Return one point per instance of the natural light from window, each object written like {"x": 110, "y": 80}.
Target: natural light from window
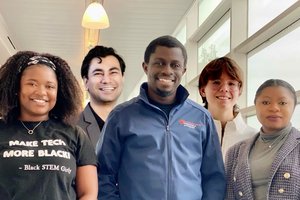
{"x": 278, "y": 60}
{"x": 206, "y": 7}
{"x": 217, "y": 45}
{"x": 262, "y": 12}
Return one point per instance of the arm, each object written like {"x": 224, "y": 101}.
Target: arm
{"x": 86, "y": 171}
{"x": 86, "y": 182}
{"x": 212, "y": 168}
{"x": 108, "y": 155}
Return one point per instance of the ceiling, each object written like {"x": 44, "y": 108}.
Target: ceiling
{"x": 54, "y": 26}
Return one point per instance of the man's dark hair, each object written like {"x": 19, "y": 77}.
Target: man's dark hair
{"x": 165, "y": 41}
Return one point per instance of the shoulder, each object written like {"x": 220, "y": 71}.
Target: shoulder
{"x": 62, "y": 127}
{"x": 233, "y": 152}
{"x": 242, "y": 126}
{"x": 126, "y": 106}
{"x": 72, "y": 133}
{"x": 197, "y": 107}
{"x": 81, "y": 118}
{"x": 294, "y": 134}
{"x": 2, "y": 123}
{"x": 242, "y": 144}
{"x": 4, "y": 126}
{"x": 236, "y": 146}
{"x": 86, "y": 116}
{"x": 295, "y": 131}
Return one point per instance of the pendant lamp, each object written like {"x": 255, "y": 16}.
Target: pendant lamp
{"x": 95, "y": 17}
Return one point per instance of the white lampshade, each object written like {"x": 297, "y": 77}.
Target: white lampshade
{"x": 95, "y": 17}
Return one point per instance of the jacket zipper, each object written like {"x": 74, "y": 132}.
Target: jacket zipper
{"x": 169, "y": 160}
{"x": 169, "y": 152}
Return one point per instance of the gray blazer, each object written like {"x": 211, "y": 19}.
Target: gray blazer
{"x": 284, "y": 180}
{"x": 89, "y": 124}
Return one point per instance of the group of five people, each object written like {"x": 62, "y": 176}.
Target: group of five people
{"x": 158, "y": 145}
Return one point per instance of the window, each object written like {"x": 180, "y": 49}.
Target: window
{"x": 279, "y": 60}
{"x": 206, "y": 7}
{"x": 181, "y": 35}
{"x": 262, "y": 12}
{"x": 216, "y": 43}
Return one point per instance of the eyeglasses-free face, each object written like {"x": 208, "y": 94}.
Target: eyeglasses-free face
{"x": 105, "y": 80}
{"x": 38, "y": 92}
{"x": 160, "y": 64}
{"x": 274, "y": 108}
{"x": 164, "y": 72}
{"x": 222, "y": 93}
{"x": 231, "y": 85}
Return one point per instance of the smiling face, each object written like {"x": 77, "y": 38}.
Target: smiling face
{"x": 38, "y": 92}
{"x": 222, "y": 93}
{"x": 164, "y": 72}
{"x": 274, "y": 108}
{"x": 105, "y": 80}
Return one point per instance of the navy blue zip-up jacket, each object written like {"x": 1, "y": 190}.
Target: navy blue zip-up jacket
{"x": 146, "y": 154}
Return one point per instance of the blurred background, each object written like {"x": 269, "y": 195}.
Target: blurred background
{"x": 261, "y": 35}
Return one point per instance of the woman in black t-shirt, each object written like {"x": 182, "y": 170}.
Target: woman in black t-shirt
{"x": 43, "y": 154}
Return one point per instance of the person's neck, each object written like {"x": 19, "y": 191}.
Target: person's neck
{"x": 162, "y": 100}
{"x": 223, "y": 115}
{"x": 103, "y": 109}
{"x": 31, "y": 118}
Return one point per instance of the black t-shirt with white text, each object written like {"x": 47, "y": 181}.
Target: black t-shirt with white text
{"x": 42, "y": 165}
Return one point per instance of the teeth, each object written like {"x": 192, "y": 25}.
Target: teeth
{"x": 107, "y": 89}
{"x": 223, "y": 98}
{"x": 165, "y": 80}
{"x": 39, "y": 100}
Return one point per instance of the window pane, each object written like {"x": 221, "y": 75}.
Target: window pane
{"x": 279, "y": 60}
{"x": 217, "y": 44}
{"x": 262, "y": 12}
{"x": 253, "y": 121}
{"x": 205, "y": 8}
{"x": 181, "y": 35}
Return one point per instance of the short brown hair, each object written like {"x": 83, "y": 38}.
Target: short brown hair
{"x": 214, "y": 69}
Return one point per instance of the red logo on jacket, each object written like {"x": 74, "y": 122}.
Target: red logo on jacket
{"x": 189, "y": 124}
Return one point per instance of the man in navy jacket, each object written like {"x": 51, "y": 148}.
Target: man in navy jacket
{"x": 161, "y": 145}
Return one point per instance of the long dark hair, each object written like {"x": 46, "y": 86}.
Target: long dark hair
{"x": 69, "y": 95}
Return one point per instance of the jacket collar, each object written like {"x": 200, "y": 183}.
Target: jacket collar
{"x": 181, "y": 93}
{"x": 290, "y": 144}
{"x": 88, "y": 114}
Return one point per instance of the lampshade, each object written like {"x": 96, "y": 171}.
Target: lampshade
{"x": 95, "y": 17}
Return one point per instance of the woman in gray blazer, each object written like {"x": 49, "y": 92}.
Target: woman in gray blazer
{"x": 267, "y": 166}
